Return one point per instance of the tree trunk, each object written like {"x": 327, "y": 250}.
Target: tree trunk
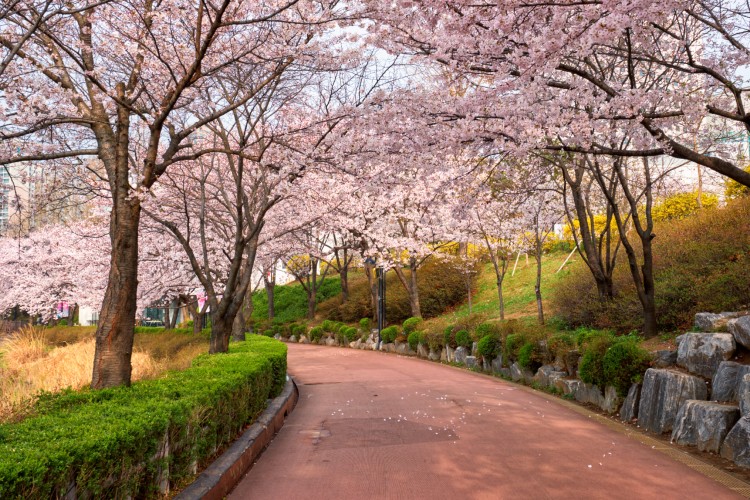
{"x": 468, "y": 290}
{"x": 500, "y": 298}
{"x": 538, "y": 285}
{"x": 416, "y": 309}
{"x": 238, "y": 327}
{"x": 311, "y": 302}
{"x": 167, "y": 318}
{"x": 221, "y": 330}
{"x": 173, "y": 321}
{"x": 115, "y": 330}
{"x": 344, "y": 275}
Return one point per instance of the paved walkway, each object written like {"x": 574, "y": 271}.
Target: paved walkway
{"x": 370, "y": 425}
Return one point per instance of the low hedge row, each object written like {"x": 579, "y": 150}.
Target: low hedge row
{"x": 126, "y": 442}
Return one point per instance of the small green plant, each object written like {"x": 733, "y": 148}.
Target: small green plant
{"x": 624, "y": 364}
{"x": 484, "y": 329}
{"x": 528, "y": 356}
{"x": 489, "y": 347}
{"x": 463, "y": 339}
{"x": 316, "y": 333}
{"x": 348, "y": 334}
{"x": 389, "y": 334}
{"x": 364, "y": 324}
{"x": 411, "y": 324}
{"x": 561, "y": 343}
{"x": 414, "y": 339}
{"x": 591, "y": 368}
{"x": 328, "y": 326}
{"x": 449, "y": 337}
{"x": 513, "y": 343}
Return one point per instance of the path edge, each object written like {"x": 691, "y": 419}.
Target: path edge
{"x": 225, "y": 472}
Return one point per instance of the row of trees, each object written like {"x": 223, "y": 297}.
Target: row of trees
{"x": 219, "y": 138}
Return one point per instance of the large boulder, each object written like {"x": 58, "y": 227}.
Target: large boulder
{"x": 471, "y": 362}
{"x": 736, "y": 445}
{"x": 497, "y": 364}
{"x": 542, "y": 375}
{"x": 704, "y": 424}
{"x": 450, "y": 354}
{"x": 460, "y": 355}
{"x": 589, "y": 393}
{"x": 662, "y": 395}
{"x": 422, "y": 351}
{"x": 517, "y": 373}
{"x": 740, "y": 329}
{"x": 434, "y": 355}
{"x": 568, "y": 386}
{"x": 303, "y": 340}
{"x": 701, "y": 353}
{"x": 629, "y": 409}
{"x": 664, "y": 359}
{"x": 711, "y": 322}
{"x": 611, "y": 401}
{"x": 726, "y": 382}
{"x": 330, "y": 341}
{"x": 743, "y": 394}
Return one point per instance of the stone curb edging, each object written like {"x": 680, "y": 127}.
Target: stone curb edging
{"x": 226, "y": 471}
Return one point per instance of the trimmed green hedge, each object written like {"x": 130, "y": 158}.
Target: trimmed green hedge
{"x": 104, "y": 443}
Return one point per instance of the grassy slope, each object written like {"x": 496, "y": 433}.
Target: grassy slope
{"x": 518, "y": 292}
{"x": 290, "y": 301}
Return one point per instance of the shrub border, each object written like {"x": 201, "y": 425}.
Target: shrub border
{"x": 226, "y": 471}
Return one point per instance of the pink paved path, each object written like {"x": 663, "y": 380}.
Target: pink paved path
{"x": 370, "y": 425}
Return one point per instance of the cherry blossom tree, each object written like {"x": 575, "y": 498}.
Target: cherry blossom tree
{"x": 124, "y": 82}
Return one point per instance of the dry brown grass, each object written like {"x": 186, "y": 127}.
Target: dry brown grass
{"x": 29, "y": 364}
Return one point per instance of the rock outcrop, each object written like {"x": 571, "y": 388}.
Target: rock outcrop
{"x": 629, "y": 409}
{"x": 740, "y": 330}
{"x": 662, "y": 395}
{"x": 701, "y": 353}
{"x": 726, "y": 382}
{"x": 736, "y": 445}
{"x": 704, "y": 424}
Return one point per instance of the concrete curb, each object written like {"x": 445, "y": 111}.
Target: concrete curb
{"x": 226, "y": 471}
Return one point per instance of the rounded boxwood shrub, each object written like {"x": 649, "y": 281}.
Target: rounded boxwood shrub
{"x": 411, "y": 324}
{"x": 463, "y": 339}
{"x": 328, "y": 325}
{"x": 389, "y": 334}
{"x": 624, "y": 364}
{"x": 591, "y": 367}
{"x": 513, "y": 343}
{"x": 414, "y": 339}
{"x": 434, "y": 340}
{"x": 365, "y": 323}
{"x": 316, "y": 334}
{"x": 529, "y": 356}
{"x": 348, "y": 334}
{"x": 489, "y": 347}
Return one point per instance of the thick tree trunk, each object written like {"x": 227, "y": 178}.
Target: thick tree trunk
{"x": 238, "y": 327}
{"x": 167, "y": 318}
{"x": 198, "y": 322}
{"x": 114, "y": 333}
{"x": 221, "y": 330}
{"x": 500, "y": 298}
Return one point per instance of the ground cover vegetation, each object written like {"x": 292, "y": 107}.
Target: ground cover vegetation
{"x": 112, "y": 442}
{"x": 38, "y": 360}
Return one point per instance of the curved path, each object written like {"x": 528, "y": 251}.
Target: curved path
{"x": 369, "y": 425}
